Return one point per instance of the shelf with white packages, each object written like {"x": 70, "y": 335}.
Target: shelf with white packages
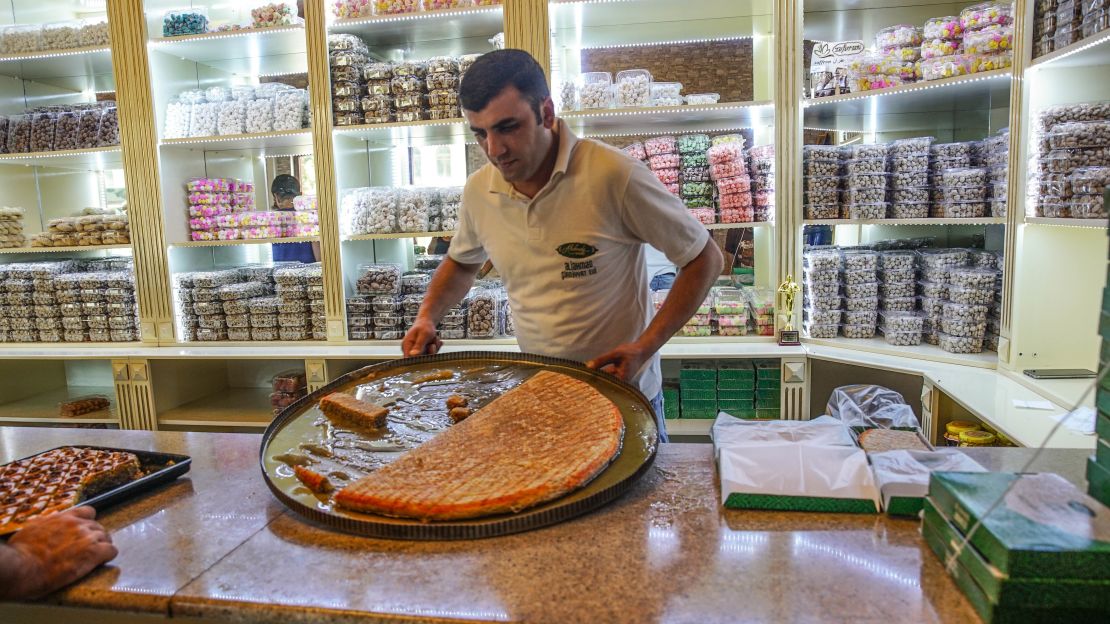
{"x": 923, "y": 351}
{"x": 248, "y": 241}
{"x": 981, "y": 91}
{"x": 1076, "y": 223}
{"x": 725, "y": 116}
{"x": 407, "y": 30}
{"x": 259, "y": 140}
{"x": 927, "y": 221}
{"x": 275, "y": 50}
{"x": 47, "y": 65}
{"x": 1087, "y": 52}
{"x": 90, "y": 159}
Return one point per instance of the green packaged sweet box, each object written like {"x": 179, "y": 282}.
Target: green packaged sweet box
{"x": 735, "y": 372}
{"x": 1045, "y": 527}
{"x": 998, "y": 588}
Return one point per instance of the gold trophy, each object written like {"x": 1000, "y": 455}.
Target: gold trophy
{"x": 789, "y": 290}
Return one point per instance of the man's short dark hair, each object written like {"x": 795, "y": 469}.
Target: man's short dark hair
{"x": 492, "y": 72}
{"x": 285, "y": 185}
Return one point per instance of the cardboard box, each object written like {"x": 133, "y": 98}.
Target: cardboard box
{"x": 697, "y": 371}
{"x": 735, "y": 371}
{"x": 995, "y": 614}
{"x": 1098, "y": 481}
{"x": 735, "y": 395}
{"x": 736, "y": 385}
{"x": 767, "y": 369}
{"x": 1000, "y": 589}
{"x": 1038, "y": 530}
{"x": 691, "y": 394}
{"x": 698, "y": 409}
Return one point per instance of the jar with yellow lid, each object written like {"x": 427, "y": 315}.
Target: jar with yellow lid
{"x": 953, "y": 430}
{"x": 977, "y": 438}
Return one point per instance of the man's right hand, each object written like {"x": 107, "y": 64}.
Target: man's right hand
{"x": 422, "y": 339}
{"x": 59, "y": 549}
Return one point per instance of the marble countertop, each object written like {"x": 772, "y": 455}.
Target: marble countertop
{"x": 216, "y": 544}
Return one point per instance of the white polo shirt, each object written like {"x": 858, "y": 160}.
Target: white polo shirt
{"x": 572, "y": 257}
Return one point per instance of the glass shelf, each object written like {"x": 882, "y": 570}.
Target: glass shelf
{"x": 250, "y": 52}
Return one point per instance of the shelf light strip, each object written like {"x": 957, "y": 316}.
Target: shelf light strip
{"x": 1097, "y": 39}
{"x": 246, "y": 32}
{"x": 408, "y": 17}
{"x": 612, "y": 135}
{"x": 912, "y": 88}
{"x": 53, "y": 54}
{"x": 237, "y": 137}
{"x": 37, "y": 155}
{"x": 662, "y": 43}
{"x": 666, "y": 110}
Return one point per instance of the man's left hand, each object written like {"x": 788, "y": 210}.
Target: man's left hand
{"x": 623, "y": 362}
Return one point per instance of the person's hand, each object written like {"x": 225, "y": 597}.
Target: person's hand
{"x": 59, "y": 549}
{"x": 422, "y": 339}
{"x": 623, "y": 362}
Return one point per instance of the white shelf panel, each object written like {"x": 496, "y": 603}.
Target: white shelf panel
{"x": 27, "y": 250}
{"x": 250, "y": 241}
{"x": 52, "y": 64}
{"x": 91, "y": 159}
{"x": 1080, "y": 223}
{"x": 362, "y": 237}
{"x": 668, "y": 119}
{"x": 986, "y": 359}
{"x": 277, "y": 50}
{"x": 1091, "y": 51}
{"x": 413, "y": 29}
{"x": 43, "y": 408}
{"x": 67, "y": 350}
{"x": 262, "y": 140}
{"x": 976, "y": 221}
{"x": 915, "y": 103}
{"x": 232, "y": 407}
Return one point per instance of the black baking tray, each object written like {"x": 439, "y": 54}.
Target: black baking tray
{"x": 634, "y": 459}
{"x": 160, "y": 468}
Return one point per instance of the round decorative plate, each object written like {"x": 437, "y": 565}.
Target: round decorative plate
{"x": 415, "y": 391}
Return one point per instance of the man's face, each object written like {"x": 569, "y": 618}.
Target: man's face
{"x": 284, "y": 201}
{"x": 510, "y": 136}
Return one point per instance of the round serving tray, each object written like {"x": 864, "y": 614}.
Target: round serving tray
{"x": 300, "y": 423}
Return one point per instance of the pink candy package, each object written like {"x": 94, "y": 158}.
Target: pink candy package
{"x": 704, "y": 215}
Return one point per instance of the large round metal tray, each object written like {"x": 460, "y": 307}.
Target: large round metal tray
{"x": 300, "y": 423}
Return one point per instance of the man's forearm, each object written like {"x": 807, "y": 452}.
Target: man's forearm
{"x": 449, "y": 285}
{"x": 686, "y": 296}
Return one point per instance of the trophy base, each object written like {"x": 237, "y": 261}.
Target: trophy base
{"x": 789, "y": 338}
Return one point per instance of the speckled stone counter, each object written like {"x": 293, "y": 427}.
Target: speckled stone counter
{"x": 216, "y": 545}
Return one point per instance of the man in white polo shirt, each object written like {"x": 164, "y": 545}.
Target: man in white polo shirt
{"x": 565, "y": 221}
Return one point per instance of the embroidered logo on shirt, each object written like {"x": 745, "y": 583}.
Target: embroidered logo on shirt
{"x": 576, "y": 251}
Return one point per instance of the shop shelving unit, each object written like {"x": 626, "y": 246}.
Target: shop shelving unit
{"x": 54, "y": 184}
{"x": 960, "y": 108}
{"x": 245, "y": 57}
{"x": 1060, "y": 264}
{"x": 33, "y": 389}
{"x": 223, "y": 385}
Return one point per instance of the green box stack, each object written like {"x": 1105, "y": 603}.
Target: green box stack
{"x": 736, "y": 388}
{"x": 670, "y": 400}
{"x": 768, "y": 381}
{"x": 698, "y": 390}
{"x": 1033, "y": 562}
{"x": 1098, "y": 468}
